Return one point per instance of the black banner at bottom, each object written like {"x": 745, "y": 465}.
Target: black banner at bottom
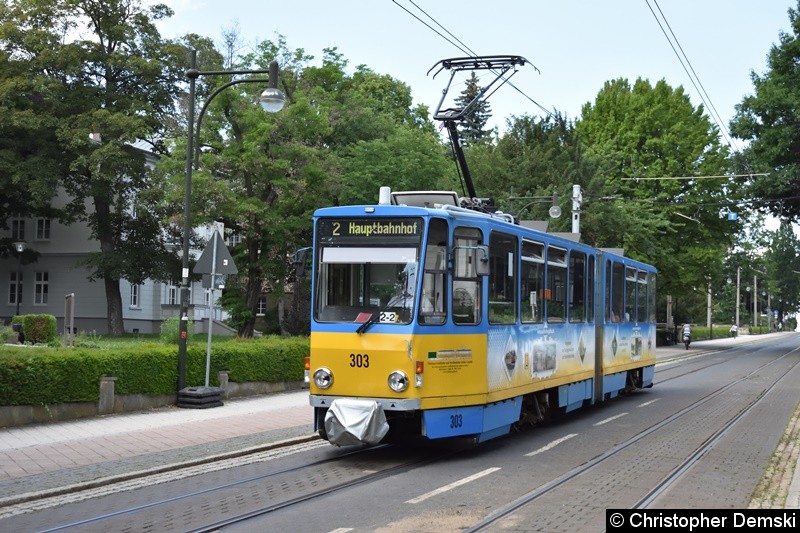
{"x": 701, "y": 520}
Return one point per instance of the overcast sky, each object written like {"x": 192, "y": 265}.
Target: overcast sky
{"x": 576, "y": 45}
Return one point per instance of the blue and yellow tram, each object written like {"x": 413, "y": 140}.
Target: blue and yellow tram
{"x": 435, "y": 320}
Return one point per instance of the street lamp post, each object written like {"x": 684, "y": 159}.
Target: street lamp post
{"x": 755, "y": 301}
{"x": 20, "y": 247}
{"x": 272, "y": 100}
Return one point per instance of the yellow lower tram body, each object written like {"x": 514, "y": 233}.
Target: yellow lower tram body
{"x": 378, "y": 387}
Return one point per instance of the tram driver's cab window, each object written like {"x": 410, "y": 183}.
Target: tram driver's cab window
{"x": 466, "y": 296}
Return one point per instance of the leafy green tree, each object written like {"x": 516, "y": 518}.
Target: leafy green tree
{"x": 533, "y": 159}
{"x": 408, "y": 159}
{"x": 263, "y": 175}
{"x": 646, "y": 141}
{"x": 768, "y": 119}
{"x": 782, "y": 262}
{"x": 90, "y": 67}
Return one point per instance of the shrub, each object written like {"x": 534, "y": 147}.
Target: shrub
{"x": 171, "y": 327}
{"x": 48, "y": 375}
{"x": 5, "y": 334}
{"x": 39, "y": 329}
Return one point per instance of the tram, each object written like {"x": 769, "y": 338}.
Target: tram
{"x": 433, "y": 317}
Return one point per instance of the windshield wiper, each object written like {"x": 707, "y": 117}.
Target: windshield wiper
{"x": 371, "y": 320}
{"x": 375, "y": 317}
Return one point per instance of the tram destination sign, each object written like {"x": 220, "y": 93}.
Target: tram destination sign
{"x": 364, "y": 230}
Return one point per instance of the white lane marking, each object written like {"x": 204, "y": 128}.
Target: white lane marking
{"x": 453, "y": 485}
{"x": 607, "y": 420}
{"x": 645, "y": 404}
{"x": 551, "y": 445}
{"x": 341, "y": 530}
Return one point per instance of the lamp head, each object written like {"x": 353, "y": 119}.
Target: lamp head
{"x": 272, "y": 100}
{"x": 19, "y": 246}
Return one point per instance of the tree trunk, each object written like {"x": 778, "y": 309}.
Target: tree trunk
{"x": 105, "y": 234}
{"x": 114, "y": 307}
{"x": 252, "y": 293}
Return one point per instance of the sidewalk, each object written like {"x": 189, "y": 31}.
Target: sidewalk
{"x": 44, "y": 458}
{"x": 63, "y": 456}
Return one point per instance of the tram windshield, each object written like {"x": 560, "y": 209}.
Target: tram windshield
{"x": 355, "y": 283}
{"x": 367, "y": 270}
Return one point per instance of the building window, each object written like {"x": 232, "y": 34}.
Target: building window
{"x": 17, "y": 229}
{"x": 261, "y": 307}
{"x": 134, "y": 295}
{"x": 234, "y": 238}
{"x": 173, "y": 295}
{"x": 14, "y": 297}
{"x": 42, "y": 229}
{"x": 40, "y": 288}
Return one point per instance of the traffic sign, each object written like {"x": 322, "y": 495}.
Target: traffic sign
{"x": 215, "y": 259}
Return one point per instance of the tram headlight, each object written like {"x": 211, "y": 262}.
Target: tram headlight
{"x": 323, "y": 378}
{"x": 398, "y": 381}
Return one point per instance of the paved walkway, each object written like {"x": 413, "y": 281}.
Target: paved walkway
{"x": 59, "y": 457}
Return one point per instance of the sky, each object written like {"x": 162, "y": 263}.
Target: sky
{"x": 572, "y": 46}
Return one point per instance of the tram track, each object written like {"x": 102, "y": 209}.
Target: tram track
{"x": 236, "y": 500}
{"x": 674, "y": 475}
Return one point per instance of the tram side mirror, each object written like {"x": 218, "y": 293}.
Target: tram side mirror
{"x": 471, "y": 261}
{"x": 299, "y": 260}
{"x": 482, "y": 260}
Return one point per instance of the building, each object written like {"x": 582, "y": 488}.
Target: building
{"x": 55, "y": 281}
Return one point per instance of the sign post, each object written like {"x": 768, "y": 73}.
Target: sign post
{"x": 216, "y": 261}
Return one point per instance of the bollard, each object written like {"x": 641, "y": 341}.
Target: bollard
{"x": 106, "y": 403}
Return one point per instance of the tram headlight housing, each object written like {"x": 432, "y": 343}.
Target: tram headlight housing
{"x": 323, "y": 378}
{"x": 398, "y": 381}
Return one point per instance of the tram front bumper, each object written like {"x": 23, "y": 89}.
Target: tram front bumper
{"x": 351, "y": 421}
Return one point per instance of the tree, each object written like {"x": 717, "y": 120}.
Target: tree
{"x": 534, "y": 158}
{"x": 471, "y": 127}
{"x": 263, "y": 175}
{"x": 769, "y": 120}
{"x": 114, "y": 76}
{"x": 782, "y": 262}
{"x": 645, "y": 141}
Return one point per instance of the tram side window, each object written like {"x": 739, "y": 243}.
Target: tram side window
{"x": 615, "y": 290}
{"x": 590, "y": 288}
{"x": 618, "y": 296}
{"x": 556, "y": 292}
{"x": 502, "y": 279}
{"x": 641, "y": 296}
{"x": 577, "y": 286}
{"x": 466, "y": 283}
{"x": 532, "y": 281}
{"x": 432, "y": 305}
{"x": 630, "y": 294}
{"x": 651, "y": 298}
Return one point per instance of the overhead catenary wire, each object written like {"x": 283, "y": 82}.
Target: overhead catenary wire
{"x": 456, "y": 42}
{"x": 693, "y": 77}
{"x": 721, "y": 176}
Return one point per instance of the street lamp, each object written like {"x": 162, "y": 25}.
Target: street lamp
{"x": 738, "y": 280}
{"x": 271, "y": 100}
{"x": 19, "y": 246}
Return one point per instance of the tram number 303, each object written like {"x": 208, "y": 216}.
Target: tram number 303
{"x": 358, "y": 360}
{"x": 456, "y": 421}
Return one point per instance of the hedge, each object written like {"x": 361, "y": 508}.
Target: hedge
{"x": 48, "y": 375}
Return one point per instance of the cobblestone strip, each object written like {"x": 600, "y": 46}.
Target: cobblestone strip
{"x": 773, "y": 489}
